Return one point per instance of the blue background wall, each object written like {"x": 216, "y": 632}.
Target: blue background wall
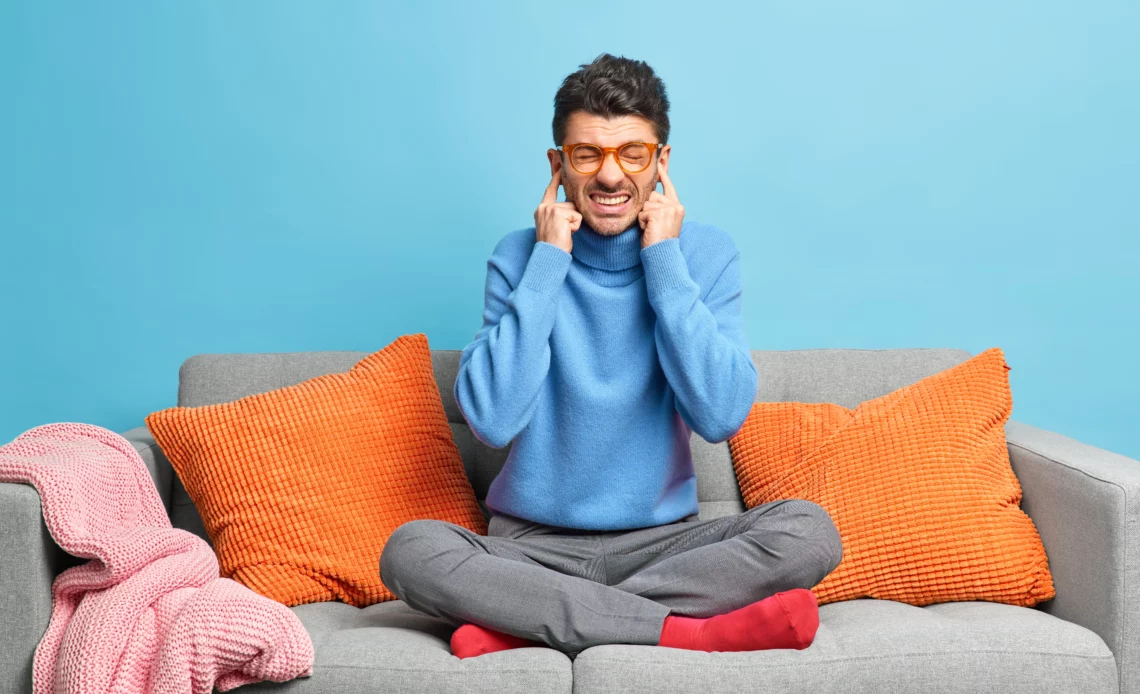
{"x": 181, "y": 178}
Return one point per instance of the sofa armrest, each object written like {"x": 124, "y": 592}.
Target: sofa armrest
{"x": 30, "y": 560}
{"x": 1085, "y": 502}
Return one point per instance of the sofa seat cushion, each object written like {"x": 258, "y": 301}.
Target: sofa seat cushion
{"x": 391, "y": 647}
{"x": 869, "y": 645}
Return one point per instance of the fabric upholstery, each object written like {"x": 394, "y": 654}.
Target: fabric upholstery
{"x": 845, "y": 377}
{"x": 390, "y": 647}
{"x": 300, "y": 486}
{"x": 1085, "y": 502}
{"x": 29, "y": 561}
{"x": 917, "y": 481}
{"x": 870, "y": 646}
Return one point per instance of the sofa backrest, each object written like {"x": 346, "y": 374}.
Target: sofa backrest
{"x": 843, "y": 376}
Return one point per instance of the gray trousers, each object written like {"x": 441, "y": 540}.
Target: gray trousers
{"x": 572, "y": 589}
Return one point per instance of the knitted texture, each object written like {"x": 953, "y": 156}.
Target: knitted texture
{"x": 300, "y": 487}
{"x": 918, "y": 483}
{"x": 148, "y": 612}
{"x": 598, "y": 365}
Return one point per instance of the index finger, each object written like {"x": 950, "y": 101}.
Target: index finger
{"x": 666, "y": 184}
{"x": 551, "y": 194}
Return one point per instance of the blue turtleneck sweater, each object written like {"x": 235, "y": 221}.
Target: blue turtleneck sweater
{"x": 599, "y": 364}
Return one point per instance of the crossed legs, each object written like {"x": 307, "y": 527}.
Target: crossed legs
{"x": 576, "y": 589}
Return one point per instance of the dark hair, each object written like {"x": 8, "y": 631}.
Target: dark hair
{"x": 609, "y": 87}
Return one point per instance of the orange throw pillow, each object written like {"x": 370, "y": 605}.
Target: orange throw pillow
{"x": 918, "y": 483}
{"x": 300, "y": 487}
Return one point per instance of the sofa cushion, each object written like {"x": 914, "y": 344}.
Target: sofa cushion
{"x": 918, "y": 483}
{"x": 301, "y": 486}
{"x": 870, "y": 645}
{"x": 391, "y": 647}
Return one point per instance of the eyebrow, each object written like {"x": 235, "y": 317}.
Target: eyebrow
{"x": 630, "y": 142}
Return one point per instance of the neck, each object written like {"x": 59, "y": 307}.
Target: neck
{"x": 614, "y": 252}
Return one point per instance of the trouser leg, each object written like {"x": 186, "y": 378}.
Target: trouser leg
{"x": 723, "y": 564}
{"x": 542, "y": 588}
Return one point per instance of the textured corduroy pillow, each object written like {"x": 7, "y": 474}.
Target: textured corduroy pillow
{"x": 919, "y": 485}
{"x": 300, "y": 487}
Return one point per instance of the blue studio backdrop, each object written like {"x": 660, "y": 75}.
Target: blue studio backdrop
{"x": 183, "y": 178}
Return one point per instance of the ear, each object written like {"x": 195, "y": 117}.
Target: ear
{"x": 555, "y": 157}
{"x": 663, "y": 158}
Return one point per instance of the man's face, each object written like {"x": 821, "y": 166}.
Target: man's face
{"x": 610, "y": 180}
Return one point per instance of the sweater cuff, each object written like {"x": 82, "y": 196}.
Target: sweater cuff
{"x": 665, "y": 266}
{"x": 546, "y": 269}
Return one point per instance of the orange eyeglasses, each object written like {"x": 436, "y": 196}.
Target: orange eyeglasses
{"x": 632, "y": 157}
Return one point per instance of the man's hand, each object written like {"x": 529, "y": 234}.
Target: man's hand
{"x": 662, "y": 214}
{"x": 554, "y": 221}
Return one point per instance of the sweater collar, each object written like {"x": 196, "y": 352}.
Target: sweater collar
{"x": 619, "y": 252}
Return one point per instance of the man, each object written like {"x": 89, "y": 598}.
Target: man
{"x": 612, "y": 331}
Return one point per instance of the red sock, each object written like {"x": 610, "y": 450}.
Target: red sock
{"x": 471, "y": 640}
{"x": 784, "y": 620}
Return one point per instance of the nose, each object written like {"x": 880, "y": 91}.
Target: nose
{"x": 610, "y": 175}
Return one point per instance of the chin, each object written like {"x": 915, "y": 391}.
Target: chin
{"x": 610, "y": 226}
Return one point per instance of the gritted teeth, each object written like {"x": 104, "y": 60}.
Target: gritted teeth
{"x": 610, "y": 199}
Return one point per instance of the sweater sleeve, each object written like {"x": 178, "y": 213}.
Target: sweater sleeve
{"x": 701, "y": 344}
{"x": 501, "y": 372}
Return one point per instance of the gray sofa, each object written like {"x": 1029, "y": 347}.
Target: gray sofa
{"x": 1084, "y": 501}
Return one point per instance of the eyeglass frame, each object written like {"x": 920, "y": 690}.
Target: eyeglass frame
{"x": 568, "y": 150}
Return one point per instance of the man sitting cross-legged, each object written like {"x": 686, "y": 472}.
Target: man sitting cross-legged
{"x": 611, "y": 331}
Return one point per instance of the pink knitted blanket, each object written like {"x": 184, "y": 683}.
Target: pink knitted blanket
{"x": 149, "y": 612}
